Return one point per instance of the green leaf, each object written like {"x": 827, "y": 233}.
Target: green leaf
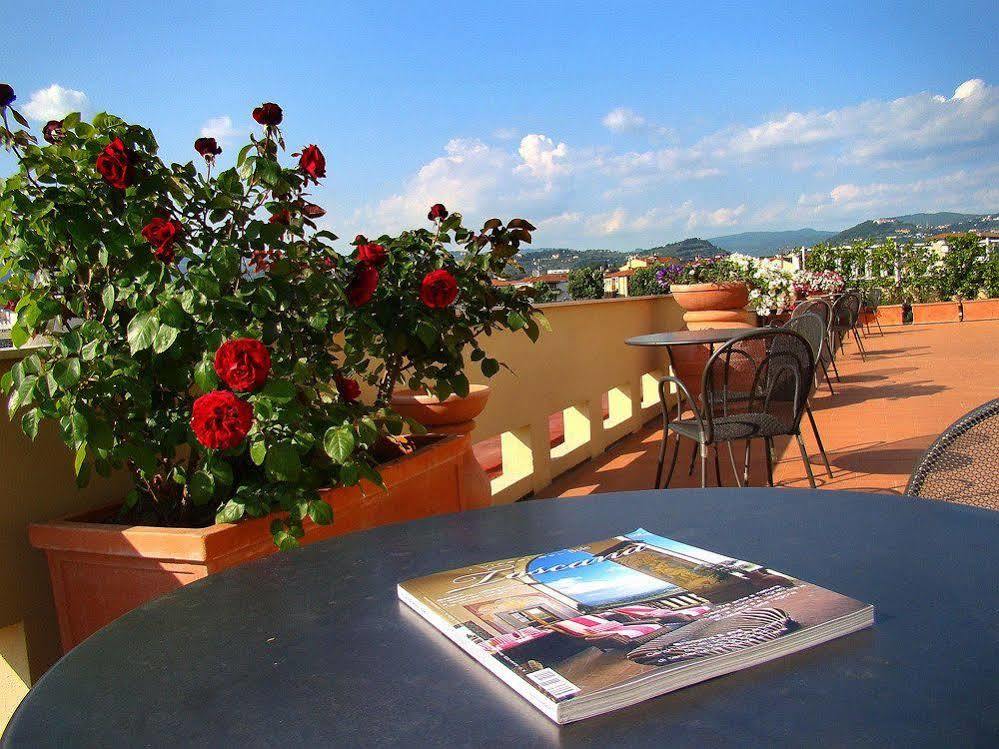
{"x": 202, "y": 488}
{"x": 164, "y": 338}
{"x": 30, "y": 421}
{"x": 108, "y": 296}
{"x": 258, "y": 451}
{"x": 367, "y": 430}
{"x": 205, "y": 377}
{"x": 460, "y": 384}
{"x": 516, "y": 321}
{"x": 339, "y": 443}
{"x": 66, "y": 372}
{"x": 78, "y": 427}
{"x": 490, "y": 367}
{"x": 320, "y": 512}
{"x": 230, "y": 512}
{"x": 426, "y": 333}
{"x": 279, "y": 390}
{"x": 222, "y": 471}
{"x": 283, "y": 463}
{"x": 142, "y": 331}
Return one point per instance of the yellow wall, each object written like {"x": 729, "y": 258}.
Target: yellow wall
{"x": 36, "y": 483}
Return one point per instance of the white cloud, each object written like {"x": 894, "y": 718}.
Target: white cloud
{"x": 625, "y": 120}
{"x": 505, "y": 133}
{"x": 715, "y": 218}
{"x": 220, "y": 128}
{"x": 54, "y": 103}
{"x": 974, "y": 87}
{"x": 542, "y": 158}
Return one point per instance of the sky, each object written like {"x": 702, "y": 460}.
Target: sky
{"x": 597, "y": 582}
{"x": 610, "y": 125}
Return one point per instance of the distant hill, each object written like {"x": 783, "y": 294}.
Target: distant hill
{"x": 916, "y": 226}
{"x": 537, "y": 261}
{"x": 763, "y": 243}
{"x": 686, "y": 249}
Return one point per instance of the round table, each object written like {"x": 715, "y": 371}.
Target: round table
{"x": 311, "y": 647}
{"x": 708, "y": 336}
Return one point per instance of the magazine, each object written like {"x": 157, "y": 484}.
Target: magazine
{"x": 583, "y": 631}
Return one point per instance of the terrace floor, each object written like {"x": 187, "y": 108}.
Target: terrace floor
{"x": 917, "y": 380}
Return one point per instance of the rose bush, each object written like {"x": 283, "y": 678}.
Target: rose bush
{"x": 191, "y": 319}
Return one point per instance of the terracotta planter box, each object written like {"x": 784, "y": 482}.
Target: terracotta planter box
{"x": 698, "y": 297}
{"x": 981, "y": 309}
{"x": 932, "y": 312}
{"x": 888, "y": 314}
{"x": 101, "y": 570}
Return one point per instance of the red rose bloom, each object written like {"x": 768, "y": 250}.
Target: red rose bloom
{"x": 348, "y": 388}
{"x": 220, "y": 420}
{"x": 313, "y": 163}
{"x": 7, "y": 96}
{"x": 115, "y": 165}
{"x": 282, "y": 217}
{"x": 269, "y": 114}
{"x": 243, "y": 364}
{"x": 363, "y": 284}
{"x": 439, "y": 289}
{"x": 161, "y": 233}
{"x": 372, "y": 254}
{"x": 53, "y": 132}
{"x": 360, "y": 239}
{"x": 207, "y": 147}
{"x": 437, "y": 212}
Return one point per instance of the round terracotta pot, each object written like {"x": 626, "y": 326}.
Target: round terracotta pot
{"x": 719, "y": 318}
{"x": 453, "y": 415}
{"x": 698, "y": 297}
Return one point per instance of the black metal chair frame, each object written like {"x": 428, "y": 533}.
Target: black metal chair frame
{"x": 817, "y": 353}
{"x": 931, "y": 460}
{"x": 841, "y": 330}
{"x": 870, "y": 302}
{"x": 828, "y": 355}
{"x": 705, "y": 420}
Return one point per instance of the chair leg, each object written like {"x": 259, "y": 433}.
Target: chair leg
{"x": 672, "y": 464}
{"x": 880, "y": 329}
{"x": 717, "y": 468}
{"x": 804, "y": 459}
{"x": 693, "y": 457}
{"x": 735, "y": 470}
{"x": 832, "y": 360}
{"x": 825, "y": 373}
{"x": 768, "y": 448}
{"x": 860, "y": 344}
{"x": 745, "y": 466}
{"x": 818, "y": 439}
{"x": 704, "y": 463}
{"x": 662, "y": 457}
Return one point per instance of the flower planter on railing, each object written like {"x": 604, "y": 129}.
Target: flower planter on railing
{"x": 101, "y": 570}
{"x": 936, "y": 312}
{"x": 887, "y": 314}
{"x": 980, "y": 309}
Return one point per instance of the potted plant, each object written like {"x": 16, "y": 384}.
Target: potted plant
{"x": 413, "y": 336}
{"x": 712, "y": 291}
{"x": 191, "y": 317}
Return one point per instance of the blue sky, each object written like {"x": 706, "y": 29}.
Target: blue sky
{"x": 611, "y": 125}
{"x": 595, "y": 583}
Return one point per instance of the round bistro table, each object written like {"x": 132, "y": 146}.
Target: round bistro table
{"x": 709, "y": 336}
{"x": 312, "y": 648}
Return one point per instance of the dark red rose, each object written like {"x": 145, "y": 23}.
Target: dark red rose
{"x": 437, "y": 212}
{"x": 282, "y": 217}
{"x": 311, "y": 210}
{"x": 262, "y": 260}
{"x": 439, "y": 289}
{"x": 372, "y": 254}
{"x": 161, "y": 233}
{"x": 360, "y": 239}
{"x": 348, "y": 388}
{"x": 53, "y": 132}
{"x": 220, "y": 420}
{"x": 115, "y": 165}
{"x": 243, "y": 364}
{"x": 363, "y": 284}
{"x": 7, "y": 96}
{"x": 269, "y": 114}
{"x": 313, "y": 163}
{"x": 207, "y": 147}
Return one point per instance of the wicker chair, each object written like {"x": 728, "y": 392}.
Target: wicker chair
{"x": 755, "y": 386}
{"x": 962, "y": 465}
{"x": 872, "y": 300}
{"x": 827, "y": 356}
{"x": 845, "y": 316}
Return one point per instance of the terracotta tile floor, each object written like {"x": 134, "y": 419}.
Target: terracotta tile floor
{"x": 916, "y": 381}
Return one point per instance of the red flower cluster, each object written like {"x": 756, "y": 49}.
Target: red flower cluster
{"x": 208, "y": 147}
{"x": 437, "y": 212}
{"x": 348, "y": 388}
{"x": 53, "y": 132}
{"x": 312, "y": 163}
{"x": 243, "y": 364}
{"x": 114, "y": 164}
{"x": 439, "y": 289}
{"x": 262, "y": 260}
{"x": 161, "y": 233}
{"x": 220, "y": 420}
{"x": 268, "y": 114}
{"x": 372, "y": 254}
{"x": 362, "y": 286}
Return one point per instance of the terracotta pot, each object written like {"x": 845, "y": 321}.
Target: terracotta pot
{"x": 697, "y": 297}
{"x": 454, "y": 415}
{"x": 887, "y": 314}
{"x": 101, "y": 570}
{"x": 980, "y": 309}
{"x": 722, "y": 318}
{"x": 932, "y": 312}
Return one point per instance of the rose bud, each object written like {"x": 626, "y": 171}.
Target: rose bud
{"x": 7, "y": 95}
{"x": 348, "y": 388}
{"x": 363, "y": 284}
{"x": 311, "y": 210}
{"x": 437, "y": 212}
{"x": 313, "y": 163}
{"x": 207, "y": 147}
{"x": 268, "y": 114}
{"x": 360, "y": 239}
{"x": 53, "y": 132}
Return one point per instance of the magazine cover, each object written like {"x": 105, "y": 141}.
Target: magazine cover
{"x": 571, "y": 623}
